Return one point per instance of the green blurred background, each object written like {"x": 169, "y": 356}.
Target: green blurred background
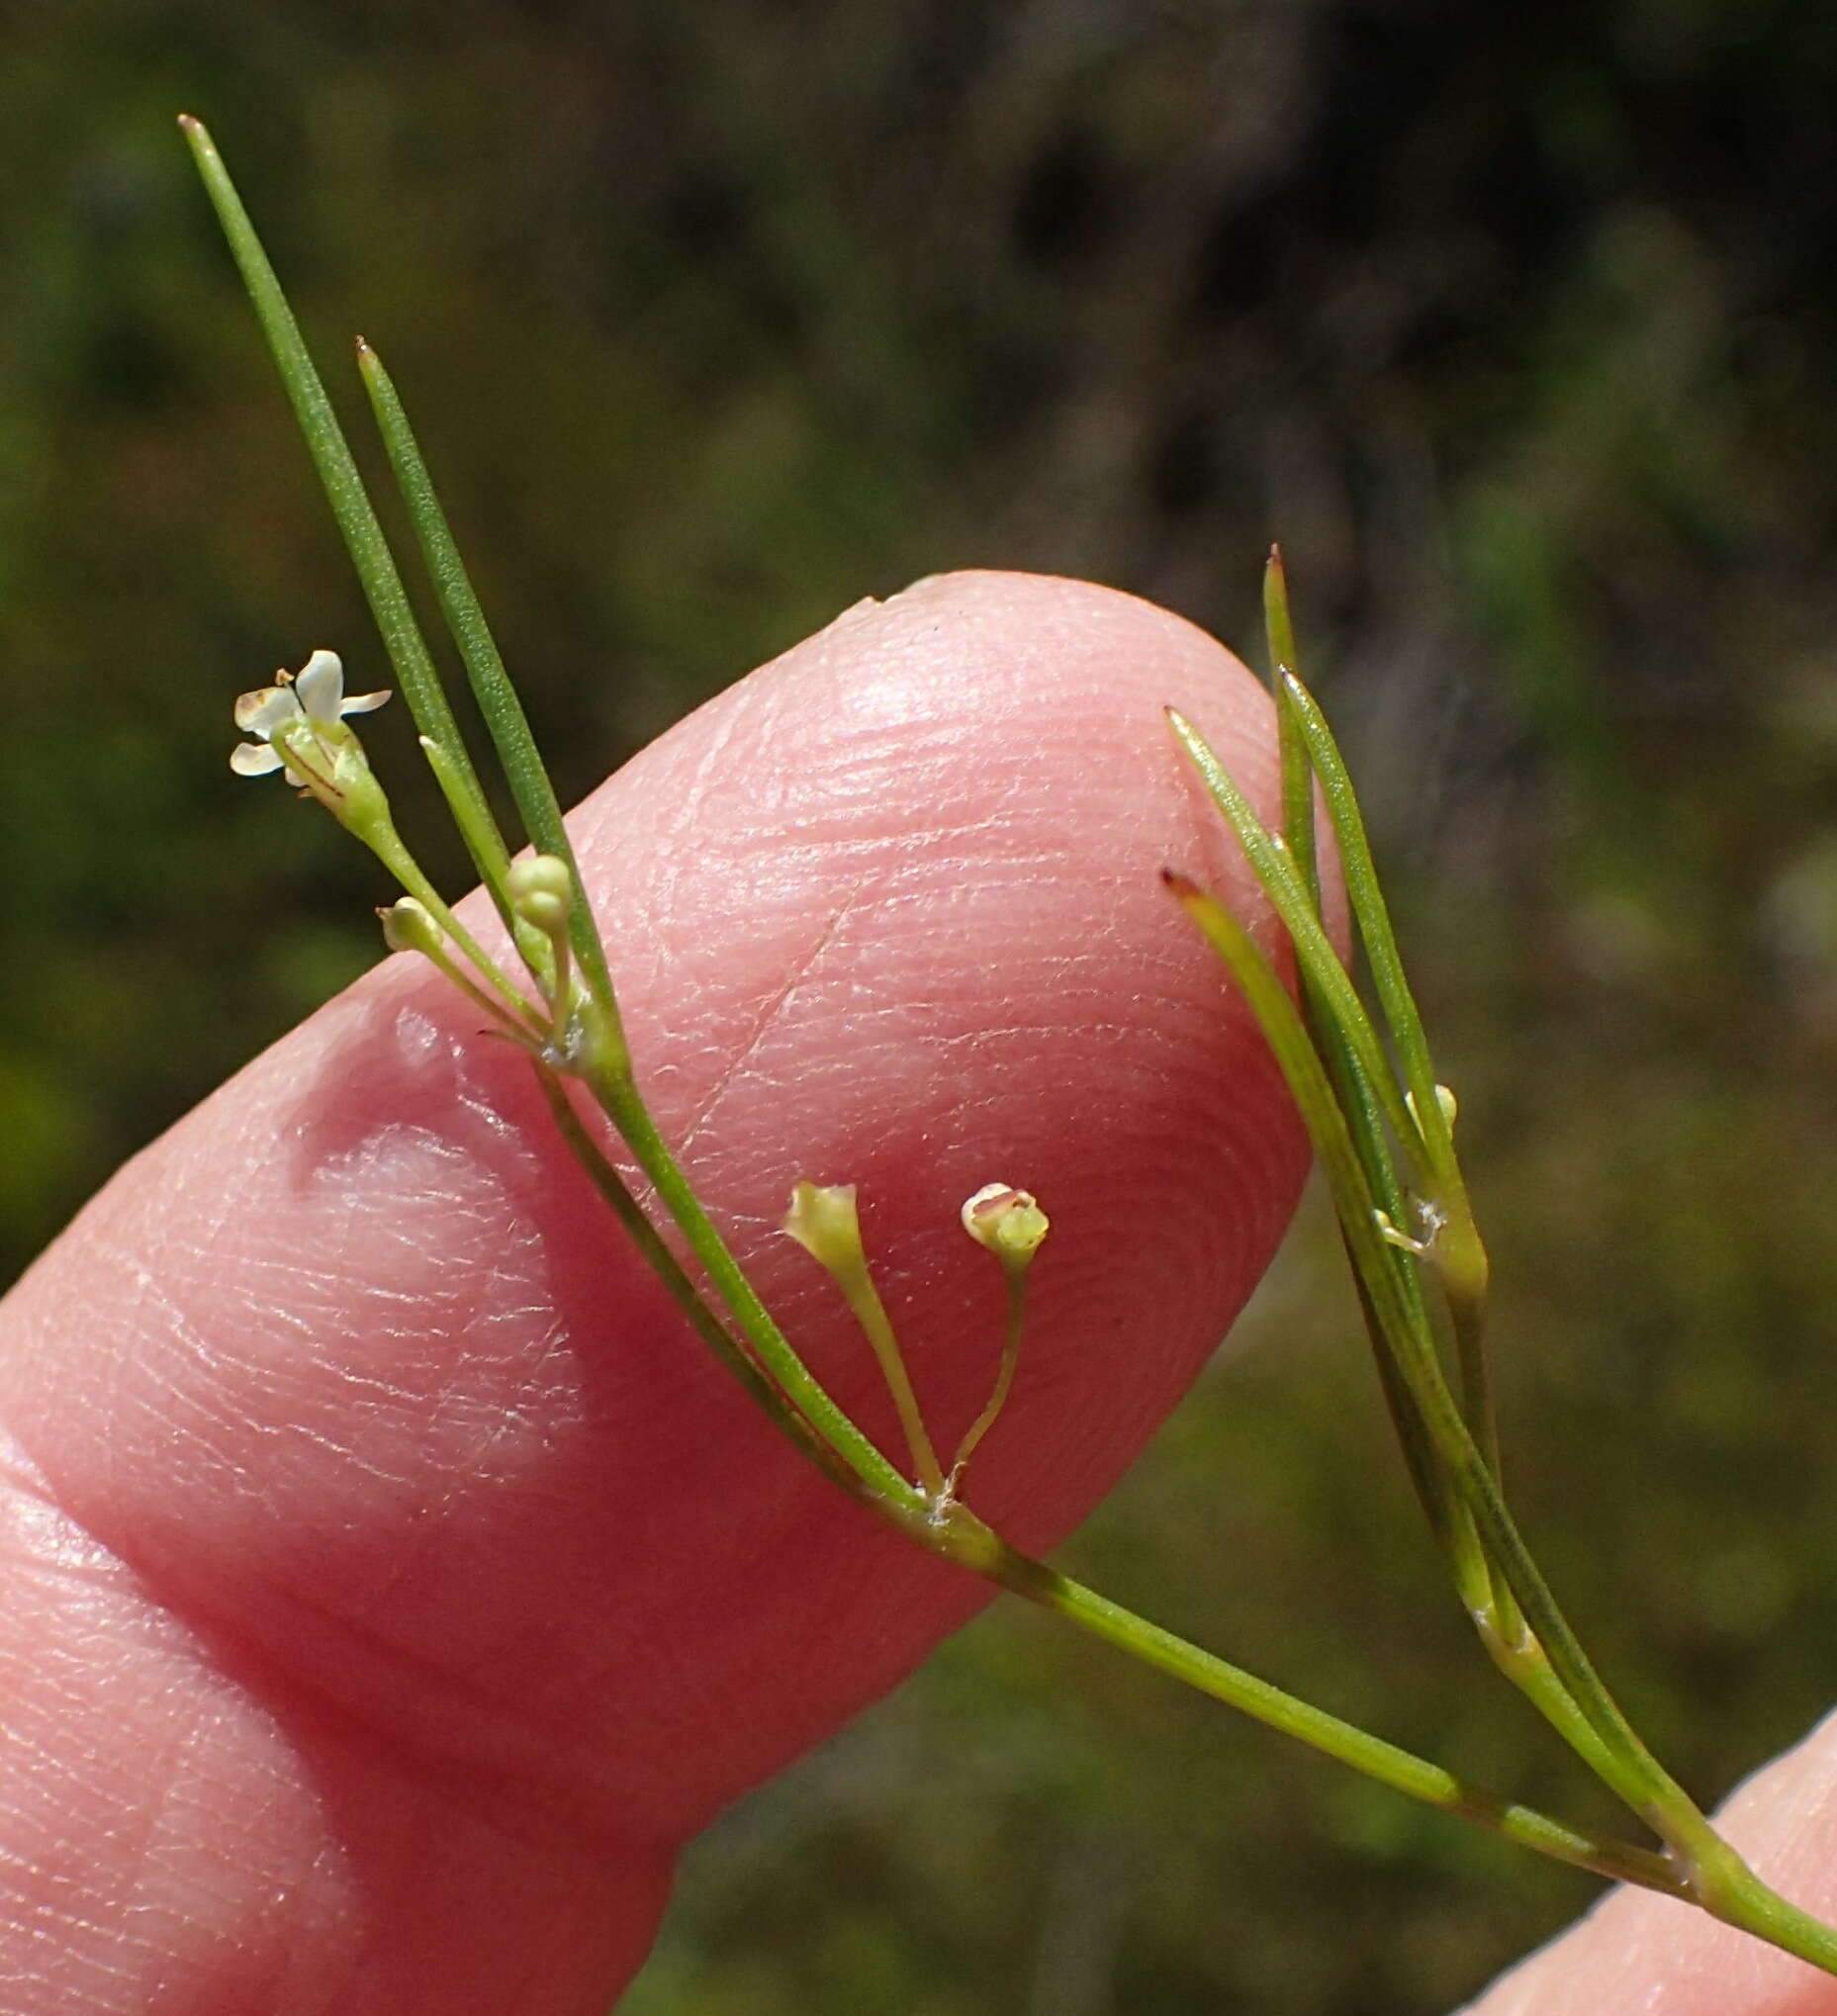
{"x": 1513, "y": 324}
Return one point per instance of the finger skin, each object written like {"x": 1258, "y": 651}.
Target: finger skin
{"x": 1639, "y": 1955}
{"x": 393, "y": 1582}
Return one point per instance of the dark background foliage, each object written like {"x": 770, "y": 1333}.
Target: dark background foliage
{"x": 1513, "y": 324}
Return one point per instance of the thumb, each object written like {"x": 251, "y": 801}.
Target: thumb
{"x": 1637, "y": 1952}
{"x": 394, "y": 1580}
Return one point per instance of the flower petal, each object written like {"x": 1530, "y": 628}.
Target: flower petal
{"x": 321, "y": 686}
{"x": 262, "y": 711}
{"x": 365, "y": 704}
{"x": 254, "y": 759}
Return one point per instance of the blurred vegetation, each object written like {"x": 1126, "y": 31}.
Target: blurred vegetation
{"x": 1515, "y": 324}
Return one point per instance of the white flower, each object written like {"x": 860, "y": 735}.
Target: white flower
{"x": 298, "y": 716}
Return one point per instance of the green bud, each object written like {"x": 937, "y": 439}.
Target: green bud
{"x": 541, "y": 892}
{"x": 408, "y": 926}
{"x": 824, "y": 1222}
{"x": 1008, "y": 1222}
{"x": 1445, "y": 1098}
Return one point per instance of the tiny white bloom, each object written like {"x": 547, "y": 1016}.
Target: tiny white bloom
{"x": 315, "y": 698}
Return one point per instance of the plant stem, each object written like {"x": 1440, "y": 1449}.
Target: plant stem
{"x": 619, "y": 1097}
{"x": 731, "y": 1351}
{"x": 1371, "y": 1754}
{"x": 1755, "y": 1907}
{"x": 870, "y": 1311}
{"x": 1016, "y": 1282}
{"x": 957, "y": 1536}
{"x": 386, "y": 844}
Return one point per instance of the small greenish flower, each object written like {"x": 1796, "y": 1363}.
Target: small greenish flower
{"x": 408, "y": 926}
{"x": 541, "y": 891}
{"x": 299, "y": 720}
{"x": 1007, "y": 1220}
{"x": 1445, "y": 1098}
{"x": 824, "y": 1222}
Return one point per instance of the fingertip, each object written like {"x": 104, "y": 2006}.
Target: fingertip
{"x": 354, "y": 1368}
{"x": 1636, "y": 1951}
{"x": 925, "y": 911}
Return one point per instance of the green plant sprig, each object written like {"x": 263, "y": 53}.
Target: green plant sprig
{"x": 1532, "y": 1643}
{"x": 1353, "y": 1102}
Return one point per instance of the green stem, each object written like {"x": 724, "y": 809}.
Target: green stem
{"x": 1467, "y": 1314}
{"x": 520, "y": 1029}
{"x": 619, "y": 1097}
{"x": 760, "y": 1356}
{"x": 386, "y": 844}
{"x": 730, "y": 1349}
{"x": 1716, "y": 1877}
{"x": 960, "y": 1537}
{"x": 851, "y": 1274}
{"x": 1385, "y": 1762}
{"x": 1016, "y": 1279}
{"x": 1720, "y": 1883}
{"x": 1756, "y": 1907}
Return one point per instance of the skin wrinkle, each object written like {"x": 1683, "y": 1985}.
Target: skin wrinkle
{"x": 163, "y": 1922}
{"x": 799, "y": 976}
{"x": 1633, "y": 1952}
{"x": 55, "y": 1920}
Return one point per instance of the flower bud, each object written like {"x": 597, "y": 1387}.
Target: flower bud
{"x": 541, "y": 891}
{"x": 824, "y": 1222}
{"x": 1445, "y": 1098}
{"x": 408, "y": 926}
{"x": 1006, "y": 1221}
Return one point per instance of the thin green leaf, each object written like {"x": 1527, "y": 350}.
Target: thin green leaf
{"x": 1276, "y": 619}
{"x": 1297, "y": 769}
{"x": 1312, "y": 1092}
{"x": 492, "y": 687}
{"x": 1313, "y": 950}
{"x": 349, "y": 500}
{"x": 1630, "y": 1766}
{"x": 1460, "y": 1256}
{"x": 1369, "y": 910}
